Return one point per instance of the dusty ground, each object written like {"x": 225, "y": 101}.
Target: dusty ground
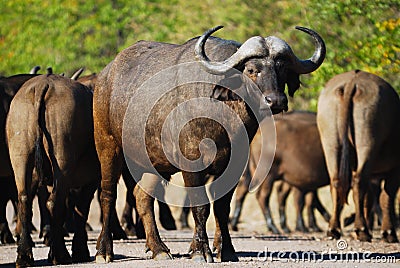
{"x": 256, "y": 247}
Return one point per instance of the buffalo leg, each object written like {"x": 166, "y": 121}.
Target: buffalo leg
{"x": 45, "y": 230}
{"x": 359, "y": 192}
{"x": 241, "y": 192}
{"x": 183, "y": 218}
{"x": 283, "y": 193}
{"x": 130, "y": 204}
{"x": 116, "y": 229}
{"x": 334, "y": 230}
{"x": 299, "y": 206}
{"x": 263, "y": 195}
{"x": 310, "y": 202}
{"x": 166, "y": 219}
{"x": 222, "y": 238}
{"x": 80, "y": 251}
{"x": 5, "y": 233}
{"x": 22, "y": 162}
{"x": 321, "y": 209}
{"x": 56, "y": 204}
{"x": 387, "y": 199}
{"x": 145, "y": 209}
{"x": 111, "y": 164}
{"x": 199, "y": 248}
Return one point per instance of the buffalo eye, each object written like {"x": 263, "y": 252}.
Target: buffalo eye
{"x": 279, "y": 64}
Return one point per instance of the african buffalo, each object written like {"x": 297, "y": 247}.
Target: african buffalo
{"x": 134, "y": 82}
{"x": 8, "y": 88}
{"x": 298, "y": 160}
{"x": 50, "y": 131}
{"x": 357, "y": 118}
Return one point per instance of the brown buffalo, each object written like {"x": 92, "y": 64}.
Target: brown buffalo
{"x": 299, "y": 161}
{"x": 50, "y": 130}
{"x": 358, "y": 121}
{"x": 268, "y": 62}
{"x": 8, "y": 88}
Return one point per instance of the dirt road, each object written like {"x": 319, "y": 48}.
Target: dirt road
{"x": 256, "y": 247}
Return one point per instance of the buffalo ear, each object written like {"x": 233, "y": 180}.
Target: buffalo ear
{"x": 293, "y": 82}
{"x": 223, "y": 94}
{"x": 224, "y": 90}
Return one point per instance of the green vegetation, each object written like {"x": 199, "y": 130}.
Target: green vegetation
{"x": 67, "y": 35}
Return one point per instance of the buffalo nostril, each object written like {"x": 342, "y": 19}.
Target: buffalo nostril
{"x": 269, "y": 101}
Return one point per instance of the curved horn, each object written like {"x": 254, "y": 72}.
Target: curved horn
{"x": 253, "y": 47}
{"x": 76, "y": 75}
{"x": 34, "y": 70}
{"x": 49, "y": 70}
{"x": 311, "y": 64}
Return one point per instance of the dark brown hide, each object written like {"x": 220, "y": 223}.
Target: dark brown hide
{"x": 299, "y": 161}
{"x": 50, "y": 128}
{"x": 122, "y": 78}
{"x": 8, "y": 88}
{"x": 358, "y": 121}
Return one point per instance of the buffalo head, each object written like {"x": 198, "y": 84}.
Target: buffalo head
{"x": 269, "y": 62}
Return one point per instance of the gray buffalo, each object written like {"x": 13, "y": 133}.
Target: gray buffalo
{"x": 358, "y": 115}
{"x": 268, "y": 62}
{"x": 50, "y": 133}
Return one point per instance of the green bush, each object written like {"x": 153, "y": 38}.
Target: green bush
{"x": 70, "y": 34}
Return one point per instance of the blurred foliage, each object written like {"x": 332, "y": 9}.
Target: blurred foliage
{"x": 67, "y": 35}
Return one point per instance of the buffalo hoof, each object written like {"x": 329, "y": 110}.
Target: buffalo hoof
{"x": 226, "y": 256}
{"x": 363, "y": 235}
{"x": 226, "y": 253}
{"x": 234, "y": 228}
{"x": 80, "y": 253}
{"x": 80, "y": 257}
{"x": 201, "y": 258}
{"x": 390, "y": 236}
{"x": 286, "y": 230}
{"x": 63, "y": 258}
{"x": 24, "y": 260}
{"x": 104, "y": 259}
{"x": 201, "y": 252}
{"x": 333, "y": 233}
{"x": 163, "y": 256}
{"x": 45, "y": 234}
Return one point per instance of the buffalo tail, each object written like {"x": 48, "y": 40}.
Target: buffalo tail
{"x": 345, "y": 123}
{"x": 39, "y": 148}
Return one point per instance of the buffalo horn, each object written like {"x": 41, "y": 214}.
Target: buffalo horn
{"x": 76, "y": 75}
{"x": 311, "y": 64}
{"x": 34, "y": 70}
{"x": 253, "y": 47}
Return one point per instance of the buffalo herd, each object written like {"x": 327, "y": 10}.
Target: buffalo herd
{"x": 77, "y": 135}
